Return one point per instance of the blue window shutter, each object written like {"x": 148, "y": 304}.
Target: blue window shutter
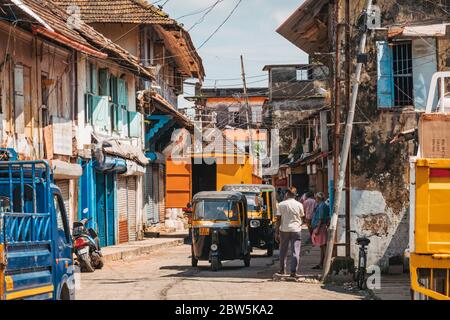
{"x": 122, "y": 92}
{"x": 385, "y": 83}
{"x": 135, "y": 124}
{"x": 93, "y": 85}
{"x": 101, "y": 118}
{"x": 103, "y": 78}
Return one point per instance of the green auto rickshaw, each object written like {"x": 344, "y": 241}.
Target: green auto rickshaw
{"x": 262, "y": 208}
{"x": 220, "y": 228}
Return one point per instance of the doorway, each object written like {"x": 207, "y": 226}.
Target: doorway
{"x": 105, "y": 210}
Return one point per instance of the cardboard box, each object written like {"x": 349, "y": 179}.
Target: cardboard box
{"x": 434, "y": 135}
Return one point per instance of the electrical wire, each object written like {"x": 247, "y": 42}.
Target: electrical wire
{"x": 221, "y": 25}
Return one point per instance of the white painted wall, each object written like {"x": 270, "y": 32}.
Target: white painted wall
{"x": 371, "y": 215}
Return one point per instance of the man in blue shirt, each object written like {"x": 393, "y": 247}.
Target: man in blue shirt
{"x": 319, "y": 224}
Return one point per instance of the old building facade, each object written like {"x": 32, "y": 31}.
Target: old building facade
{"x": 404, "y": 49}
{"x": 162, "y": 45}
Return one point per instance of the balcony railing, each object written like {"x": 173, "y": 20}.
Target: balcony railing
{"x": 166, "y": 91}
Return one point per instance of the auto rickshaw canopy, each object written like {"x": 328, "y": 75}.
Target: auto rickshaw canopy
{"x": 219, "y": 195}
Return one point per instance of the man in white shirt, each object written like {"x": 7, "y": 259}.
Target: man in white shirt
{"x": 289, "y": 230}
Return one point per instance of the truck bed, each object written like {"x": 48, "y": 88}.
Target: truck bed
{"x": 27, "y": 256}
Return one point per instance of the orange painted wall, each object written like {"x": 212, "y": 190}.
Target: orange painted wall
{"x": 234, "y": 173}
{"x": 178, "y": 184}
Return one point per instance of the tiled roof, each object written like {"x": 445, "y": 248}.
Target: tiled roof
{"x": 120, "y": 11}
{"x": 176, "y": 38}
{"x": 53, "y": 16}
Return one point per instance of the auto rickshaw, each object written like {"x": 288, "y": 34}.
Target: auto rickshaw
{"x": 262, "y": 206}
{"x": 220, "y": 228}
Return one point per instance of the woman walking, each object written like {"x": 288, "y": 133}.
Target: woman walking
{"x": 319, "y": 225}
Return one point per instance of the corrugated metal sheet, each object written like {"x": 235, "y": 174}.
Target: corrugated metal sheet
{"x": 64, "y": 186}
{"x": 131, "y": 195}
{"x": 122, "y": 208}
{"x": 149, "y": 203}
{"x": 162, "y": 193}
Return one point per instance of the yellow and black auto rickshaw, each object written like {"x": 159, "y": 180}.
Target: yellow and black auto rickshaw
{"x": 262, "y": 204}
{"x": 220, "y": 228}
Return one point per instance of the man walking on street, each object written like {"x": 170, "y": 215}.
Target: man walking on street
{"x": 288, "y": 232}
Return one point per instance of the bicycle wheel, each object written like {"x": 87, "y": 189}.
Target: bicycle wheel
{"x": 361, "y": 281}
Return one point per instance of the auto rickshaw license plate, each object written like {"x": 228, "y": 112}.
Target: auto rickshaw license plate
{"x": 204, "y": 231}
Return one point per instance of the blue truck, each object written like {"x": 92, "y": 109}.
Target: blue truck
{"x": 36, "y": 260}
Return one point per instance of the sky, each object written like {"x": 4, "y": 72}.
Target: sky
{"x": 250, "y": 31}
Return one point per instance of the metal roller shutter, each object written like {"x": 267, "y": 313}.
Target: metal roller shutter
{"x": 162, "y": 193}
{"x": 155, "y": 193}
{"x": 131, "y": 193}
{"x": 64, "y": 186}
{"x": 122, "y": 208}
{"x": 149, "y": 205}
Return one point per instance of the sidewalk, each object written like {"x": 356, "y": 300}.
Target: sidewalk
{"x": 135, "y": 249}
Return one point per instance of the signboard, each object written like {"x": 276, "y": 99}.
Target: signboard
{"x": 62, "y": 136}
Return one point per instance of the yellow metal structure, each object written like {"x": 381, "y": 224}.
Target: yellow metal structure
{"x": 2, "y": 275}
{"x": 430, "y": 228}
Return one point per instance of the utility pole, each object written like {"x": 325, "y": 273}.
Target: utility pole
{"x": 348, "y": 92}
{"x": 247, "y": 106}
{"x": 345, "y": 150}
{"x": 337, "y": 96}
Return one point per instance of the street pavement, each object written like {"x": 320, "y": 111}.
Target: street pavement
{"x": 167, "y": 274}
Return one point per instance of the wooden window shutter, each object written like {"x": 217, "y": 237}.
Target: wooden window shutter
{"x": 19, "y": 99}
{"x": 385, "y": 82}
{"x": 103, "y": 82}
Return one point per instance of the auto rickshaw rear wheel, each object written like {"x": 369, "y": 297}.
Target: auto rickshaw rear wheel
{"x": 215, "y": 264}
{"x": 247, "y": 258}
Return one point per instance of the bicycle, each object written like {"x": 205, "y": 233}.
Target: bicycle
{"x": 361, "y": 271}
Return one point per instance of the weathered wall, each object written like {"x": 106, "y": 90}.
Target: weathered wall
{"x": 286, "y": 113}
{"x": 113, "y": 31}
{"x": 21, "y": 126}
{"x": 380, "y": 198}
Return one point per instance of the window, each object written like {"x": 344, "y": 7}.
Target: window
{"x": 396, "y": 86}
{"x": 234, "y": 117}
{"x": 61, "y": 217}
{"x": 302, "y": 75}
{"x": 257, "y": 114}
{"x": 216, "y": 210}
{"x": 403, "y": 74}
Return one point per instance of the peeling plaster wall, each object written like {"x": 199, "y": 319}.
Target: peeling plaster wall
{"x": 380, "y": 195}
{"x": 286, "y": 113}
{"x": 372, "y": 216}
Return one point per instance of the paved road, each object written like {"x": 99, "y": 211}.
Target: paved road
{"x": 167, "y": 274}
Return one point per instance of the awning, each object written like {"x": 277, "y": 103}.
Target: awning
{"x": 126, "y": 151}
{"x": 111, "y": 165}
{"x": 433, "y": 30}
{"x": 65, "y": 171}
{"x": 134, "y": 169}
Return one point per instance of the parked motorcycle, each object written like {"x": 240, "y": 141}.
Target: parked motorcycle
{"x": 87, "y": 247}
